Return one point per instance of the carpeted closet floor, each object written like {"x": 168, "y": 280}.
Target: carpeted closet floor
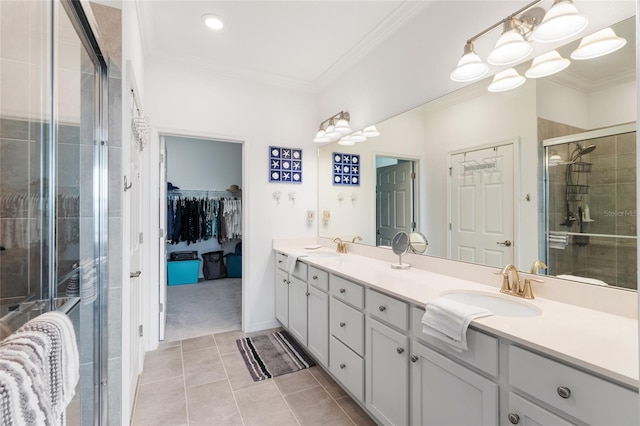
{"x": 208, "y": 307}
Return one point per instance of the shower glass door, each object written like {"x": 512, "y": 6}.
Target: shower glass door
{"x": 51, "y": 179}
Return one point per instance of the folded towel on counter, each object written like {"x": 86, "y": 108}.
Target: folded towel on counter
{"x": 448, "y": 321}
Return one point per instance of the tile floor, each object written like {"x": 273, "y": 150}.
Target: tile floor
{"x": 203, "y": 381}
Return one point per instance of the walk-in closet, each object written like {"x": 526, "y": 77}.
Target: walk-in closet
{"x": 203, "y": 237}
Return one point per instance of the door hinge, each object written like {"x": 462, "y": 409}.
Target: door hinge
{"x": 161, "y": 158}
{"x": 140, "y": 239}
{"x": 161, "y": 232}
{"x": 450, "y": 171}
{"x": 413, "y": 175}
{"x": 449, "y": 226}
{"x": 413, "y": 225}
{"x": 141, "y": 330}
{"x": 161, "y": 307}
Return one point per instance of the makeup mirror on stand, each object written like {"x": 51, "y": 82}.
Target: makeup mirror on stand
{"x": 400, "y": 245}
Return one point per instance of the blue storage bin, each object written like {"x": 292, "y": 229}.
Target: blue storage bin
{"x": 234, "y": 265}
{"x": 183, "y": 272}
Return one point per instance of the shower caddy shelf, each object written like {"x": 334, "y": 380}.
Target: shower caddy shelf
{"x": 576, "y": 191}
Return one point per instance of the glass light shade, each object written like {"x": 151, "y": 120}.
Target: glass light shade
{"x": 506, "y": 80}
{"x": 470, "y": 67}
{"x": 554, "y": 158}
{"x": 357, "y": 136}
{"x": 331, "y": 132}
{"x": 342, "y": 126}
{"x": 370, "y": 132}
{"x": 598, "y": 44}
{"x": 547, "y": 64}
{"x": 213, "y": 21}
{"x": 510, "y": 49}
{"x": 321, "y": 137}
{"x": 561, "y": 22}
{"x": 345, "y": 140}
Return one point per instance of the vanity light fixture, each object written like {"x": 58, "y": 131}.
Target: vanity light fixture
{"x": 561, "y": 22}
{"x": 547, "y": 64}
{"x": 506, "y": 80}
{"x": 338, "y": 127}
{"x": 530, "y": 23}
{"x": 598, "y": 44}
{"x": 511, "y": 47}
{"x": 213, "y": 21}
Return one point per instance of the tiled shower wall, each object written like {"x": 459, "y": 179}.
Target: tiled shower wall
{"x": 612, "y": 205}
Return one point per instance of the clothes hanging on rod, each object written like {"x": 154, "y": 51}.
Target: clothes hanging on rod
{"x": 194, "y": 216}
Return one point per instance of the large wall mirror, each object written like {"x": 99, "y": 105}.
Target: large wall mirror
{"x": 472, "y": 172}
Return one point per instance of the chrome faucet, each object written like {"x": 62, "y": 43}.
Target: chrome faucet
{"x": 514, "y": 288}
{"x": 342, "y": 246}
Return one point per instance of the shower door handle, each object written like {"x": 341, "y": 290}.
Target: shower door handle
{"x": 505, "y": 243}
{"x": 135, "y": 274}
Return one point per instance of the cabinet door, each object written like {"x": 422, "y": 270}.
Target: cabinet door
{"x": 282, "y": 298}
{"x": 446, "y": 393}
{"x": 298, "y": 309}
{"x": 387, "y": 373}
{"x": 318, "y": 338}
{"x": 524, "y": 413}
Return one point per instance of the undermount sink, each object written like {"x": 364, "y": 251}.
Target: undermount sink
{"x": 498, "y": 304}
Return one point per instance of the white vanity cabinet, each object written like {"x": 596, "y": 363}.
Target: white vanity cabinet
{"x": 298, "y": 307}
{"x": 291, "y": 298}
{"x": 318, "y": 315}
{"x": 387, "y": 351}
{"x": 443, "y": 390}
{"x": 567, "y": 390}
{"x": 282, "y": 297}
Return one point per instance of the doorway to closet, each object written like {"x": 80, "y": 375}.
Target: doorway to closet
{"x": 202, "y": 292}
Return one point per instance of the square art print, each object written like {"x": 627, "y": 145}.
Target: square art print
{"x": 285, "y": 164}
{"x": 346, "y": 169}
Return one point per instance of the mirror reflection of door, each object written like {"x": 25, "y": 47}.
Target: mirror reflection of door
{"x": 481, "y": 200}
{"x": 395, "y": 192}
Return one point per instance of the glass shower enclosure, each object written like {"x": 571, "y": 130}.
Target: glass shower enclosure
{"x": 53, "y": 179}
{"x": 590, "y": 206}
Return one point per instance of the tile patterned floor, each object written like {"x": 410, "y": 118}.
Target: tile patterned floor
{"x": 203, "y": 381}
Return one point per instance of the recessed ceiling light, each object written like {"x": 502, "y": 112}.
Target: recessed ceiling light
{"x": 213, "y": 21}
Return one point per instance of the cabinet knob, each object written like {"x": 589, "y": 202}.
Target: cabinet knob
{"x": 400, "y": 350}
{"x": 564, "y": 392}
{"x": 343, "y": 366}
{"x": 342, "y": 324}
{"x": 382, "y": 308}
{"x": 342, "y": 290}
{"x": 308, "y": 293}
{"x": 284, "y": 280}
{"x": 414, "y": 358}
{"x": 315, "y": 277}
{"x": 513, "y": 418}
{"x": 288, "y": 282}
{"x": 279, "y": 261}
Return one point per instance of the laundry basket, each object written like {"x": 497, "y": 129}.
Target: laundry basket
{"x": 234, "y": 262}
{"x": 213, "y": 266}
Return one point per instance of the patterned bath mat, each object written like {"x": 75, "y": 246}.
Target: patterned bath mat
{"x": 272, "y": 355}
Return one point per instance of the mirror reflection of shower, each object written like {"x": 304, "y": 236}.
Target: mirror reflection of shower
{"x": 590, "y": 206}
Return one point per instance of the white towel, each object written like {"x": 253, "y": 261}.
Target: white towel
{"x": 448, "y": 321}
{"x": 291, "y": 264}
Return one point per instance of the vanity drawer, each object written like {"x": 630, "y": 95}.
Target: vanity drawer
{"x": 483, "y": 349}
{"x": 319, "y": 278}
{"x": 577, "y": 393}
{"x": 347, "y": 291}
{"x": 300, "y": 270}
{"x": 347, "y": 325}
{"x": 388, "y": 309}
{"x": 347, "y": 367}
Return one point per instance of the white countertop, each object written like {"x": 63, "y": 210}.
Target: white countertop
{"x": 604, "y": 343}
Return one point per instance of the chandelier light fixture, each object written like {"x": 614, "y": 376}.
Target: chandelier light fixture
{"x": 519, "y": 32}
{"x": 337, "y": 128}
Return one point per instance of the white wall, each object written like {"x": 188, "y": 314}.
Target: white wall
{"x": 187, "y": 101}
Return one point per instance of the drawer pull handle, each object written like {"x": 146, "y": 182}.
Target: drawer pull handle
{"x": 513, "y": 418}
{"x": 342, "y": 290}
{"x": 343, "y": 366}
{"x": 400, "y": 350}
{"x": 342, "y": 324}
{"x": 564, "y": 392}
{"x": 414, "y": 358}
{"x": 315, "y": 277}
{"x": 382, "y": 308}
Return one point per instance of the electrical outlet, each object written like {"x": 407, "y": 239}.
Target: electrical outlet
{"x": 311, "y": 215}
{"x": 326, "y": 215}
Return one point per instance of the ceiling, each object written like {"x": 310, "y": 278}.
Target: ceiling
{"x": 301, "y": 44}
